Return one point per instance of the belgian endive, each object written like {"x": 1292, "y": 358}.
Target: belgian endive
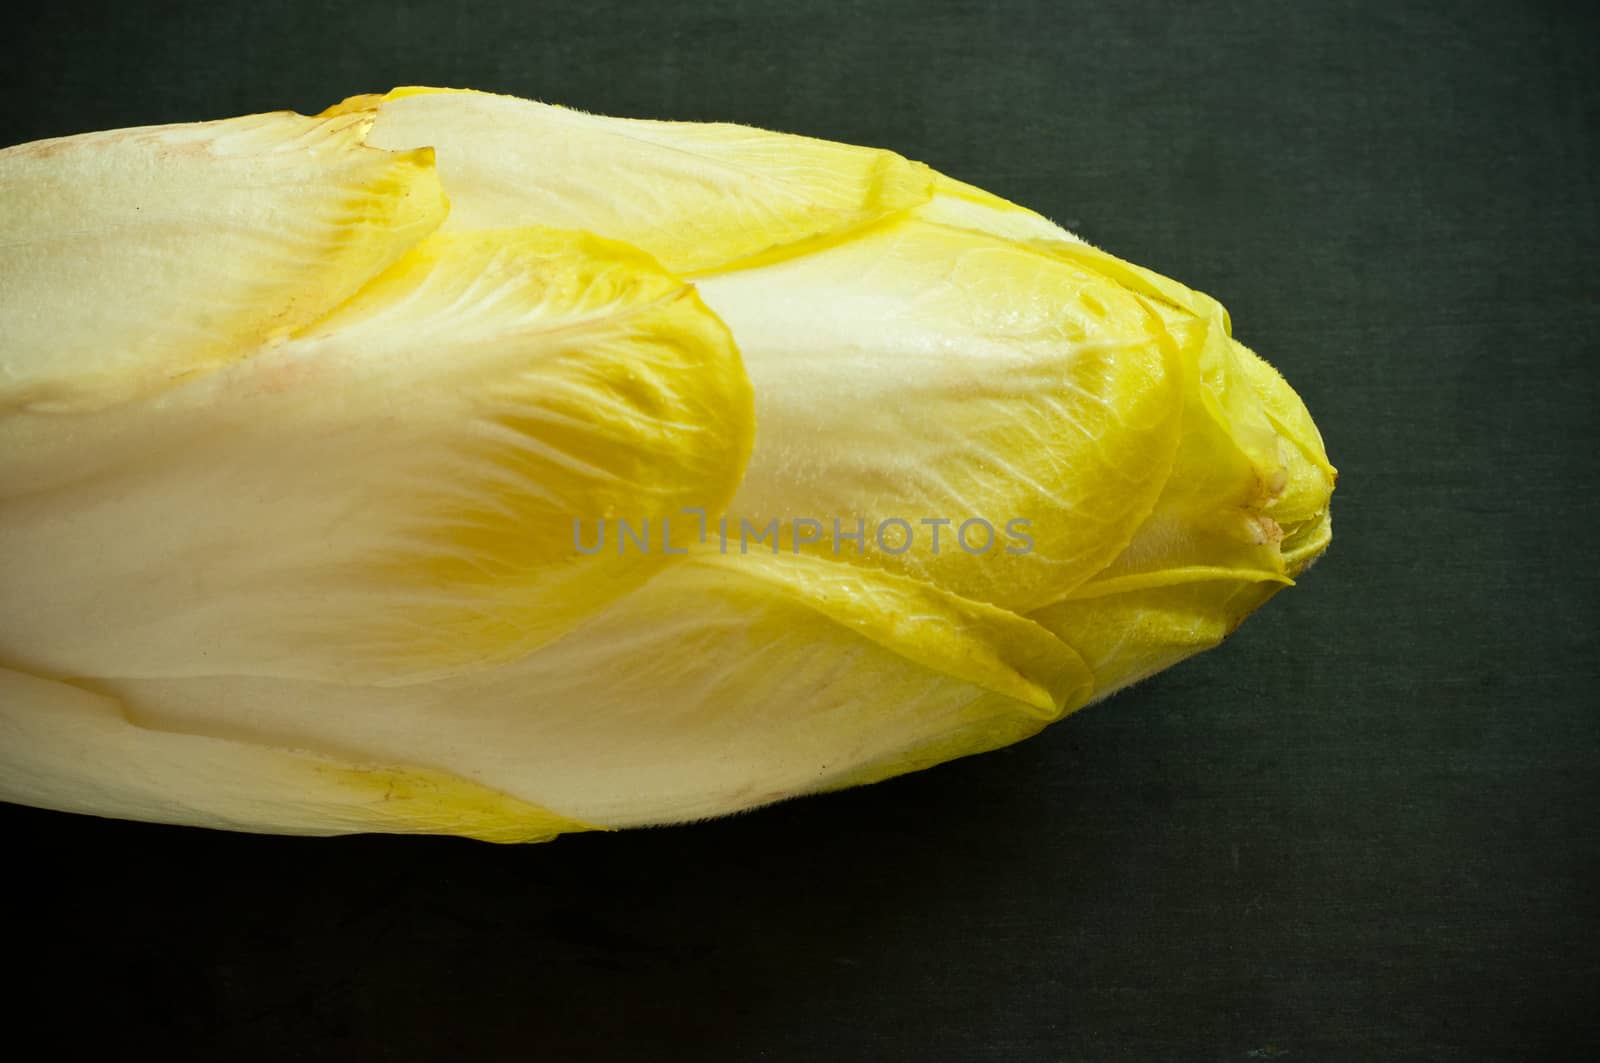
{"x": 450, "y": 462}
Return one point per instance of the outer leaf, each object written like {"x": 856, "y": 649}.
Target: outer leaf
{"x": 132, "y": 259}
{"x": 69, "y": 748}
{"x": 726, "y": 682}
{"x": 963, "y": 206}
{"x": 697, "y": 196}
{"x": 1126, "y": 636}
{"x": 921, "y": 373}
{"x": 390, "y": 495}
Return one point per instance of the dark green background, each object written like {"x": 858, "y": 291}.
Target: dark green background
{"x": 1364, "y": 829}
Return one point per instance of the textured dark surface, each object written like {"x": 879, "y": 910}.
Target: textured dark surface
{"x": 1365, "y": 828}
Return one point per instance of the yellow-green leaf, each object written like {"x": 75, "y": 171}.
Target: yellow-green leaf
{"x": 920, "y": 373}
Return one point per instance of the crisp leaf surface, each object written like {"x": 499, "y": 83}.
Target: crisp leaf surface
{"x": 75, "y": 750}
{"x": 727, "y": 682}
{"x": 133, "y": 259}
{"x": 698, "y": 196}
{"x": 390, "y": 494}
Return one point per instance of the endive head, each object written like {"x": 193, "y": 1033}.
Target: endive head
{"x": 299, "y": 415}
